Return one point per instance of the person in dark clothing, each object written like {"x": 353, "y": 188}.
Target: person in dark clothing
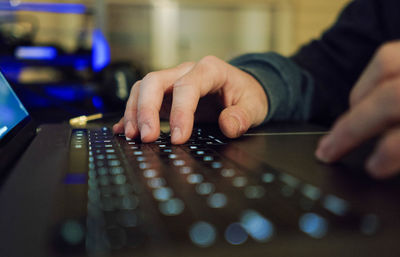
{"x": 358, "y": 59}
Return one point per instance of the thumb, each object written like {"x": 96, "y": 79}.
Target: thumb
{"x": 234, "y": 121}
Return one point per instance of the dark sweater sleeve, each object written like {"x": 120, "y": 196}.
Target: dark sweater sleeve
{"x": 288, "y": 87}
{"x": 314, "y": 84}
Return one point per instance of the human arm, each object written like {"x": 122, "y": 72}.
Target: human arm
{"x": 335, "y": 63}
{"x": 296, "y": 87}
{"x": 312, "y": 85}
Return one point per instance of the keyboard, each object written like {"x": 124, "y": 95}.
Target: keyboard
{"x": 198, "y": 195}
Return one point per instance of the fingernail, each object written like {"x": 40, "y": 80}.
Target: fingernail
{"x": 176, "y": 134}
{"x": 144, "y": 130}
{"x": 129, "y": 129}
{"x": 324, "y": 150}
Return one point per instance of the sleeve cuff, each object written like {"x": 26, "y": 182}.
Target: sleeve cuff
{"x": 287, "y": 86}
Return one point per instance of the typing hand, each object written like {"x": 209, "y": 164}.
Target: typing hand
{"x": 374, "y": 110}
{"x": 243, "y": 100}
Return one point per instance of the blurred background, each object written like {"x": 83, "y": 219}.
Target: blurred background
{"x": 69, "y": 58}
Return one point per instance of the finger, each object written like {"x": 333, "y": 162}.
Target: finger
{"x": 119, "y": 126}
{"x": 130, "y": 116}
{"x": 370, "y": 117}
{"x": 234, "y": 121}
{"x": 385, "y": 161}
{"x": 384, "y": 65}
{"x": 207, "y": 76}
{"x": 151, "y": 95}
{"x": 248, "y": 110}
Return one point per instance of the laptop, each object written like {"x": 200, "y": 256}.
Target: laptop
{"x": 86, "y": 192}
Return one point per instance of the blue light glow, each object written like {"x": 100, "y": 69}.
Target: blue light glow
{"x": 311, "y": 192}
{"x": 45, "y": 7}
{"x": 217, "y": 200}
{"x": 194, "y": 178}
{"x": 72, "y": 232}
{"x": 75, "y": 179}
{"x": 11, "y": 68}
{"x": 369, "y": 224}
{"x": 257, "y": 226}
{"x": 205, "y": 188}
{"x": 172, "y": 207}
{"x": 163, "y": 193}
{"x": 36, "y": 53}
{"x": 101, "y": 51}
{"x": 65, "y": 93}
{"x": 98, "y": 103}
{"x": 336, "y": 205}
{"x": 203, "y": 234}
{"x": 235, "y": 234}
{"x": 81, "y": 64}
{"x": 313, "y": 225}
{"x": 254, "y": 192}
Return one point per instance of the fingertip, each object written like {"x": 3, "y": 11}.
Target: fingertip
{"x": 177, "y": 136}
{"x": 230, "y": 126}
{"x": 145, "y": 132}
{"x": 377, "y": 174}
{"x": 128, "y": 130}
{"x": 181, "y": 124}
{"x": 322, "y": 154}
{"x": 131, "y": 130}
{"x": 148, "y": 133}
{"x": 233, "y": 122}
{"x": 376, "y": 168}
{"x": 327, "y": 150}
{"x": 118, "y": 128}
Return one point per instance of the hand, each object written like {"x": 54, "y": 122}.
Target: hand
{"x": 374, "y": 110}
{"x": 243, "y": 100}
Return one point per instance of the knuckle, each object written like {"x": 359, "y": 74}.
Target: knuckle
{"x": 182, "y": 83}
{"x": 185, "y": 83}
{"x": 186, "y": 65}
{"x": 209, "y": 60}
{"x": 211, "y": 65}
{"x": 191, "y": 91}
{"x": 179, "y": 114}
{"x": 129, "y": 112}
{"x": 135, "y": 85}
{"x": 144, "y": 115}
{"x": 152, "y": 78}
